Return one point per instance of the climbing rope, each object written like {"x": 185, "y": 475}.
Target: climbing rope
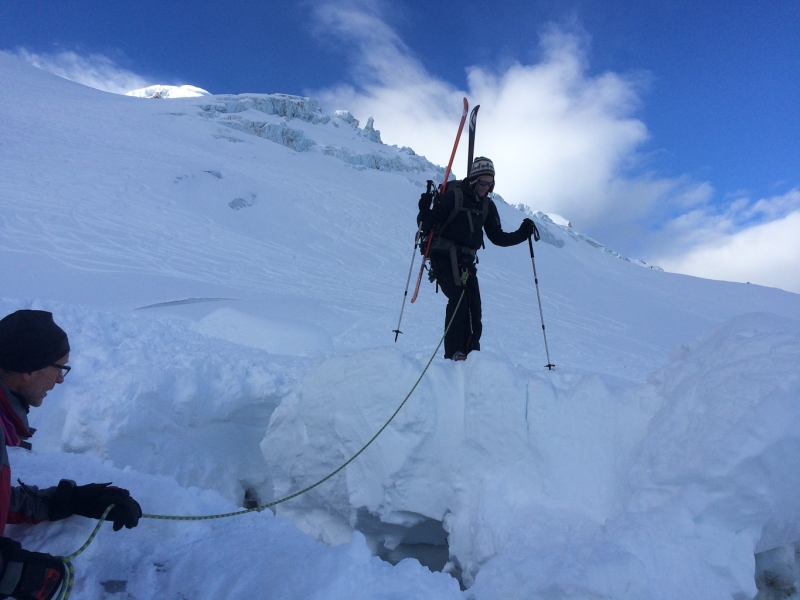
{"x": 66, "y": 589}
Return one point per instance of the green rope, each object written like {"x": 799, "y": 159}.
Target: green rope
{"x": 66, "y": 588}
{"x": 352, "y": 458}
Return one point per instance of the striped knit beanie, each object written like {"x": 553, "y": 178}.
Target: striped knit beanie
{"x": 481, "y": 166}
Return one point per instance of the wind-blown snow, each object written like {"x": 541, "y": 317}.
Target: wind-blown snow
{"x": 229, "y": 270}
{"x": 169, "y": 91}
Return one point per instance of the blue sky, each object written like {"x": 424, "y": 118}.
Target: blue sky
{"x": 682, "y": 116}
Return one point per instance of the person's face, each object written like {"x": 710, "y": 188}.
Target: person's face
{"x": 483, "y": 184}
{"x": 36, "y": 385}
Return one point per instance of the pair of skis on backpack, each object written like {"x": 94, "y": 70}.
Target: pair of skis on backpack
{"x": 473, "y": 117}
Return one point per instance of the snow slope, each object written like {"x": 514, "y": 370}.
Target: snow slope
{"x": 230, "y": 268}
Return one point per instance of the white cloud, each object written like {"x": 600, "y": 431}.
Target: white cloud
{"x": 563, "y": 141}
{"x": 95, "y": 70}
{"x": 749, "y": 241}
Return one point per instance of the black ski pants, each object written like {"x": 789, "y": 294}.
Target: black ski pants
{"x": 464, "y": 334}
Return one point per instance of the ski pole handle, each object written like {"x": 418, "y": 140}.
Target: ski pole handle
{"x": 535, "y": 276}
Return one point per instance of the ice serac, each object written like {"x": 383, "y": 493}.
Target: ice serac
{"x": 281, "y": 105}
{"x": 345, "y": 116}
{"x": 250, "y": 113}
{"x": 618, "y": 484}
{"x": 370, "y": 132}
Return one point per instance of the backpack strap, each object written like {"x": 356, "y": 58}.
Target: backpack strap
{"x": 454, "y": 264}
{"x": 446, "y": 245}
{"x": 457, "y": 205}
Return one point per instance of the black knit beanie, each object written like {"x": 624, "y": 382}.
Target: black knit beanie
{"x": 30, "y": 340}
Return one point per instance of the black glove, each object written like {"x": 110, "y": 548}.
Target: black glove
{"x": 527, "y": 228}
{"x": 425, "y": 202}
{"x": 92, "y": 500}
{"x": 29, "y": 575}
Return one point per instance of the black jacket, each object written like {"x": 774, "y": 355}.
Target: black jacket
{"x": 459, "y": 229}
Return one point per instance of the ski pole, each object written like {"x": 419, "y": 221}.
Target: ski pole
{"x": 397, "y": 331}
{"x": 550, "y": 366}
{"x": 422, "y": 266}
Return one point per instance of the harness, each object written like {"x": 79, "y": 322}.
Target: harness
{"x": 446, "y": 245}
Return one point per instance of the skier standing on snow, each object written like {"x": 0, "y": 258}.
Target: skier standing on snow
{"x": 460, "y": 217}
{"x": 33, "y": 356}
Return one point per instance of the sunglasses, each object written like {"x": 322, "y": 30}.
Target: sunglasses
{"x": 63, "y": 370}
{"x": 483, "y": 183}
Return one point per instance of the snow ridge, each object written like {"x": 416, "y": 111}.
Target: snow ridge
{"x": 168, "y": 91}
{"x": 543, "y": 217}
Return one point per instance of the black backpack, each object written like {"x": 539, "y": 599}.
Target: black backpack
{"x": 442, "y": 244}
{"x": 438, "y": 242}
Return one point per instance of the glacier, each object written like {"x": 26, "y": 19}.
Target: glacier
{"x": 229, "y": 270}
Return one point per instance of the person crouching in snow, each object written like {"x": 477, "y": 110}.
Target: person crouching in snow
{"x": 34, "y": 352}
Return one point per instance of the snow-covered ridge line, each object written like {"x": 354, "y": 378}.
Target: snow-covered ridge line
{"x": 236, "y": 112}
{"x": 574, "y": 234}
{"x": 168, "y": 91}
